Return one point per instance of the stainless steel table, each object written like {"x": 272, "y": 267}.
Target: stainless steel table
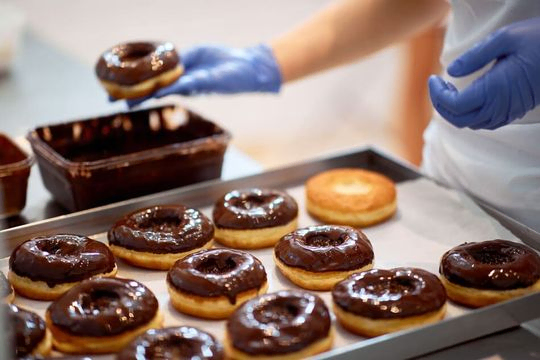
{"x": 47, "y": 86}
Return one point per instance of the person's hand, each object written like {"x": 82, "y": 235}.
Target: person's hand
{"x": 220, "y": 69}
{"x": 506, "y": 92}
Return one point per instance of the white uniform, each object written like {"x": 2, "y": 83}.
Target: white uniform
{"x": 501, "y": 167}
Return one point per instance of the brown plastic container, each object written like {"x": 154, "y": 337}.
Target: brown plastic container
{"x": 14, "y": 172}
{"x": 97, "y": 161}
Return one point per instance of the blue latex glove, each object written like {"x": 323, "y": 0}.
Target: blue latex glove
{"x": 220, "y": 69}
{"x": 506, "y": 92}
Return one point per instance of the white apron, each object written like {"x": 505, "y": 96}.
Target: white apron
{"x": 502, "y": 167}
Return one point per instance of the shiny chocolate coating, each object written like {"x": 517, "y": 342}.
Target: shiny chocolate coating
{"x": 325, "y": 248}
{"x": 61, "y": 258}
{"x": 254, "y": 209}
{"x": 132, "y": 63}
{"x": 5, "y": 287}
{"x": 25, "y": 329}
{"x": 390, "y": 294}
{"x": 162, "y": 229}
{"x": 279, "y": 323}
{"x": 103, "y": 307}
{"x": 217, "y": 272}
{"x": 491, "y": 265}
{"x": 177, "y": 343}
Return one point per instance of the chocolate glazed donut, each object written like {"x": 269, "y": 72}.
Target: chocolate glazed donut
{"x": 132, "y": 63}
{"x": 378, "y": 302}
{"x": 103, "y": 307}
{"x": 26, "y": 331}
{"x": 217, "y": 272}
{"x": 493, "y": 265}
{"x": 58, "y": 259}
{"x": 254, "y": 218}
{"x": 317, "y": 257}
{"x": 157, "y": 236}
{"x": 173, "y": 343}
{"x": 390, "y": 294}
{"x": 325, "y": 248}
{"x": 254, "y": 209}
{"x": 162, "y": 230}
{"x": 276, "y": 324}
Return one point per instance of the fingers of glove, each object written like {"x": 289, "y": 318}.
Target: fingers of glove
{"x": 131, "y": 103}
{"x": 456, "y": 102}
{"x": 494, "y": 46}
{"x": 195, "y": 82}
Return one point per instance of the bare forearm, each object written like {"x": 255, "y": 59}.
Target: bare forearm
{"x": 351, "y": 29}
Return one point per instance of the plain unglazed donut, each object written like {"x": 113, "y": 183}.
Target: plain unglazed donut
{"x": 354, "y": 197}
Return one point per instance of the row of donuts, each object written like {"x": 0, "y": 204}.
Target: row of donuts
{"x": 305, "y": 247}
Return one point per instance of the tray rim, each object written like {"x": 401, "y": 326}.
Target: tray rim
{"x": 486, "y": 321}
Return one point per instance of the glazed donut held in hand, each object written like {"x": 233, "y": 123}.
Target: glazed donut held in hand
{"x": 135, "y": 69}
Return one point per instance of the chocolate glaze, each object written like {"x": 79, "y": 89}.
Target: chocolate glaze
{"x": 61, "y": 258}
{"x": 25, "y": 329}
{"x": 389, "y": 294}
{"x": 5, "y": 287}
{"x": 132, "y": 63}
{"x": 217, "y": 272}
{"x": 162, "y": 230}
{"x": 103, "y": 307}
{"x": 254, "y": 209}
{"x": 14, "y": 172}
{"x": 491, "y": 265}
{"x": 177, "y": 343}
{"x": 325, "y": 248}
{"x": 279, "y": 323}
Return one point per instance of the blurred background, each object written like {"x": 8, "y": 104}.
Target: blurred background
{"x": 351, "y": 106}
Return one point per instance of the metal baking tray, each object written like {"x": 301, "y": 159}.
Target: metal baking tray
{"x": 406, "y": 344}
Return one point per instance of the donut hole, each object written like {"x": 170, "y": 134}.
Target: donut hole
{"x": 55, "y": 247}
{"x": 160, "y": 222}
{"x": 98, "y": 300}
{"x": 136, "y": 52}
{"x": 277, "y": 313}
{"x": 176, "y": 348}
{"x": 322, "y": 240}
{"x": 249, "y": 202}
{"x": 495, "y": 256}
{"x": 216, "y": 266}
{"x": 389, "y": 286}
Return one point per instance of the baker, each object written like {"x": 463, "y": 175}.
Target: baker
{"x": 485, "y": 135}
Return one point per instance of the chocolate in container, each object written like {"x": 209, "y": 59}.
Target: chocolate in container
{"x": 100, "y": 160}
{"x": 14, "y": 172}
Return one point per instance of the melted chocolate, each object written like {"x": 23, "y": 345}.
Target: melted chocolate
{"x": 59, "y": 259}
{"x": 14, "y": 172}
{"x": 279, "y": 323}
{"x": 162, "y": 230}
{"x": 132, "y": 63}
{"x": 325, "y": 248}
{"x": 5, "y": 287}
{"x": 254, "y": 209}
{"x": 177, "y": 343}
{"x": 217, "y": 272}
{"x": 491, "y": 265}
{"x": 389, "y": 294}
{"x": 25, "y": 329}
{"x": 103, "y": 307}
